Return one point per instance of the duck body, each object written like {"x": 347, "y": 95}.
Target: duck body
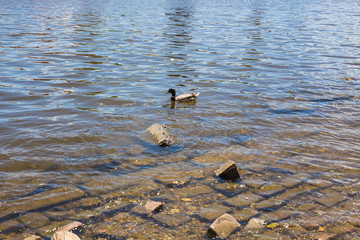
{"x": 182, "y": 97}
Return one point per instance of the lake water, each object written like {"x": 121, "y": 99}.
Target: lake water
{"x": 81, "y": 81}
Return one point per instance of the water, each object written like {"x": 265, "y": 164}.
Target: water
{"x": 81, "y": 81}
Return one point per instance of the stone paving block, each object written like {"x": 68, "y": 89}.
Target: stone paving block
{"x": 213, "y": 212}
{"x": 244, "y": 199}
{"x": 269, "y": 204}
{"x": 171, "y": 220}
{"x": 34, "y": 220}
{"x": 331, "y": 199}
{"x": 254, "y": 182}
{"x": 279, "y": 215}
{"x": 293, "y": 180}
{"x": 313, "y": 223}
{"x": 244, "y": 214}
{"x": 270, "y": 189}
{"x": 41, "y": 200}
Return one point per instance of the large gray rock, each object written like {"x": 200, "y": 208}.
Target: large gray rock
{"x": 228, "y": 171}
{"x": 64, "y": 236}
{"x": 223, "y": 226}
{"x": 160, "y": 135}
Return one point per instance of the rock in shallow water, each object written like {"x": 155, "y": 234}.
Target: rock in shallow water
{"x": 228, "y": 171}
{"x": 223, "y": 226}
{"x": 64, "y": 236}
{"x": 160, "y": 134}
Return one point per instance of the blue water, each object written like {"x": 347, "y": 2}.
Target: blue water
{"x": 81, "y": 81}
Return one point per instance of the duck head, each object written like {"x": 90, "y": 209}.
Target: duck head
{"x": 173, "y": 93}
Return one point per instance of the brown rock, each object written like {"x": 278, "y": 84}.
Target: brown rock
{"x": 33, "y": 237}
{"x": 256, "y": 223}
{"x": 223, "y": 226}
{"x": 160, "y": 134}
{"x": 69, "y": 227}
{"x": 228, "y": 171}
{"x": 153, "y": 206}
{"x": 64, "y": 236}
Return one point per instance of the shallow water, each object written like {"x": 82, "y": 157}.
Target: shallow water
{"x": 81, "y": 81}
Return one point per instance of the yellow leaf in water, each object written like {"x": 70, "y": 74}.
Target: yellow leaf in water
{"x": 321, "y": 229}
{"x": 272, "y": 225}
{"x": 174, "y": 210}
{"x": 186, "y": 199}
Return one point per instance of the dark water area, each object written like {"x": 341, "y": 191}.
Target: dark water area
{"x": 81, "y": 81}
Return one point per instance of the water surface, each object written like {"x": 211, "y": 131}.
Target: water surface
{"x": 81, "y": 81}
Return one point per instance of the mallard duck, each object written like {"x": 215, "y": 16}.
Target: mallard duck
{"x": 182, "y": 97}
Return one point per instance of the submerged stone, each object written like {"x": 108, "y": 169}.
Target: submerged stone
{"x": 153, "y": 206}
{"x": 228, "y": 171}
{"x": 223, "y": 226}
{"x": 160, "y": 135}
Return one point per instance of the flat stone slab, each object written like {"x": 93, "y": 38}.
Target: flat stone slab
{"x": 331, "y": 199}
{"x": 223, "y": 226}
{"x": 244, "y": 199}
{"x": 213, "y": 212}
{"x": 228, "y": 171}
{"x": 160, "y": 134}
{"x": 41, "y": 200}
{"x": 171, "y": 220}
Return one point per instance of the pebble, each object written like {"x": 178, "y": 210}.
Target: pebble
{"x": 33, "y": 237}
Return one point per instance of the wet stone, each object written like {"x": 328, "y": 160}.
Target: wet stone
{"x": 244, "y": 214}
{"x": 253, "y": 182}
{"x": 256, "y": 224}
{"x": 190, "y": 191}
{"x": 294, "y": 180}
{"x": 319, "y": 183}
{"x": 331, "y": 199}
{"x": 41, "y": 200}
{"x": 153, "y": 206}
{"x": 64, "y": 236}
{"x": 244, "y": 199}
{"x": 313, "y": 223}
{"x": 322, "y": 236}
{"x": 34, "y": 220}
{"x": 160, "y": 134}
{"x": 270, "y": 190}
{"x": 269, "y": 204}
{"x": 279, "y": 215}
{"x": 212, "y": 212}
{"x": 171, "y": 220}
{"x": 71, "y": 226}
{"x": 223, "y": 226}
{"x": 230, "y": 188}
{"x": 33, "y": 237}
{"x": 228, "y": 171}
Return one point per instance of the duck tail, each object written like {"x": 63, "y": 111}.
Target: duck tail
{"x": 196, "y": 94}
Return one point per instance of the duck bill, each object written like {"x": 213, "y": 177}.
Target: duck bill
{"x": 166, "y": 92}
